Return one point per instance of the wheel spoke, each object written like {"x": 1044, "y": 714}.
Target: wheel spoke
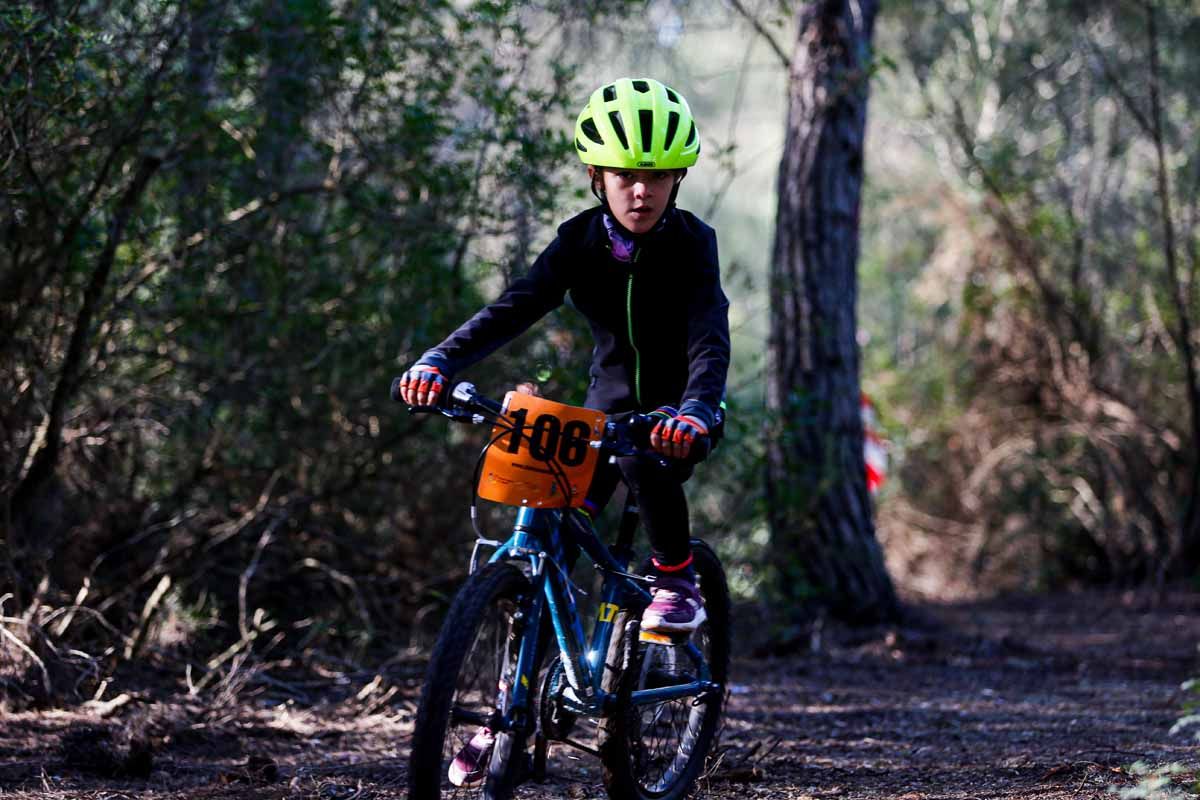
{"x": 469, "y": 688}
{"x": 664, "y": 740}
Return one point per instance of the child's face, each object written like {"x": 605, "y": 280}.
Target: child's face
{"x": 638, "y": 197}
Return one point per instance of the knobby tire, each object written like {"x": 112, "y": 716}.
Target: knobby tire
{"x": 490, "y": 595}
{"x": 623, "y": 735}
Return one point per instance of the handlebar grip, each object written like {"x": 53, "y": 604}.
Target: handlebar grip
{"x": 640, "y": 426}
{"x": 395, "y": 393}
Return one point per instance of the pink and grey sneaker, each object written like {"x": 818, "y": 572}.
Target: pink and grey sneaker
{"x": 470, "y": 766}
{"x": 676, "y": 606}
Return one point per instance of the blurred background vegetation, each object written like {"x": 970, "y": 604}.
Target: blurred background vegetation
{"x": 228, "y": 223}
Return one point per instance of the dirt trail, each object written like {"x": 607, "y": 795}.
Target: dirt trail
{"x": 1029, "y": 698}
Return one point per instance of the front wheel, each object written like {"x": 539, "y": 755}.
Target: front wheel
{"x": 468, "y": 686}
{"x": 657, "y": 751}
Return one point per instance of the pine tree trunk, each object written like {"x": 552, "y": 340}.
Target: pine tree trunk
{"x": 822, "y": 531}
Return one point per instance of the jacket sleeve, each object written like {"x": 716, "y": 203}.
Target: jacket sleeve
{"x": 523, "y": 303}
{"x": 708, "y": 339}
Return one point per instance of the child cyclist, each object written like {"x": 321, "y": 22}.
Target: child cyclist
{"x": 645, "y": 275}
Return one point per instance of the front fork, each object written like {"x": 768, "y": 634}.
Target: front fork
{"x": 584, "y": 671}
{"x": 515, "y": 706}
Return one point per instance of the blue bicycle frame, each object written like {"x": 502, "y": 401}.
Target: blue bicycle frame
{"x": 537, "y": 538}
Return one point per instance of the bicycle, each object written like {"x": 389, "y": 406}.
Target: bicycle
{"x": 658, "y": 699}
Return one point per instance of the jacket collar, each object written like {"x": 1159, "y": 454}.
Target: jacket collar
{"x": 596, "y": 233}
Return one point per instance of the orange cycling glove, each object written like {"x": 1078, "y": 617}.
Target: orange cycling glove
{"x": 422, "y": 385}
{"x": 674, "y": 434}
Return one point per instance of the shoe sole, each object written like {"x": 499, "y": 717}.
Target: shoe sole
{"x": 462, "y": 779}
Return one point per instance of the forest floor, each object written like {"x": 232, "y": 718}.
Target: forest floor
{"x": 1042, "y": 697}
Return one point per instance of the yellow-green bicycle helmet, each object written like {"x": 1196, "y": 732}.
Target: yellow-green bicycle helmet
{"x": 637, "y": 123}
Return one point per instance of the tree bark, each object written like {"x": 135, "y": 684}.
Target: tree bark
{"x": 46, "y": 459}
{"x": 203, "y": 45}
{"x": 819, "y": 510}
{"x": 1190, "y": 522}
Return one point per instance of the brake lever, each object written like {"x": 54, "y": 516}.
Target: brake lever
{"x": 453, "y": 414}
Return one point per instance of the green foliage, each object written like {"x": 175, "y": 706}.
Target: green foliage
{"x": 1162, "y": 782}
{"x": 202, "y": 359}
{"x": 1153, "y": 783}
{"x": 1030, "y": 346}
{"x": 1191, "y": 718}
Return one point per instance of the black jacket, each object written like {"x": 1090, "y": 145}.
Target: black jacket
{"x": 660, "y": 322}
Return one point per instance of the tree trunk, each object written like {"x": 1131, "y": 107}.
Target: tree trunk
{"x": 195, "y": 170}
{"x": 1190, "y": 522}
{"x": 822, "y": 531}
{"x": 82, "y": 337}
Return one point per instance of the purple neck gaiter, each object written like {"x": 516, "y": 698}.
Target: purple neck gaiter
{"x": 622, "y": 245}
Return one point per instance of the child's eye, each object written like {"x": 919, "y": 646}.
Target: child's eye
{"x": 625, "y": 176}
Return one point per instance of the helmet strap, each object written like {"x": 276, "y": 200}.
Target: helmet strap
{"x": 675, "y": 191}
{"x": 599, "y": 193}
{"x": 671, "y": 199}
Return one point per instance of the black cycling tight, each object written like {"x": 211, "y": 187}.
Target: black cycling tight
{"x": 657, "y": 484}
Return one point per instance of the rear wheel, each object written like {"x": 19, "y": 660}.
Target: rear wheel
{"x": 657, "y": 751}
{"x": 468, "y": 687}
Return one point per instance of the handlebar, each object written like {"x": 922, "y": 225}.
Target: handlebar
{"x": 630, "y": 435}
{"x": 626, "y": 436}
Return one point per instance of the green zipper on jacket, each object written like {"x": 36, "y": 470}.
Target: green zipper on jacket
{"x": 637, "y": 356}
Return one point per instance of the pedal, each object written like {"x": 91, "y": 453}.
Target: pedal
{"x": 669, "y": 639}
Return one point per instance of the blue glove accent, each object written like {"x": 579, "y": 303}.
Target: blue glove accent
{"x": 699, "y": 410}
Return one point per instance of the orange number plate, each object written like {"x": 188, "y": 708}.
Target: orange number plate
{"x": 547, "y": 462}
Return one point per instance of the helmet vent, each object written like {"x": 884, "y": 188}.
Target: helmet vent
{"x": 674, "y": 98}
{"x": 646, "y": 123}
{"x": 672, "y": 127}
{"x": 641, "y": 86}
{"x": 580, "y": 147}
{"x": 589, "y": 130}
{"x": 691, "y": 135}
{"x": 610, "y": 93}
{"x": 615, "y": 119}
